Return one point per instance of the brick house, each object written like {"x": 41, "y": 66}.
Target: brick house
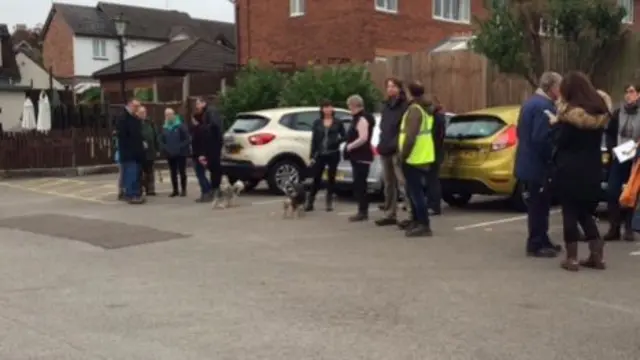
{"x": 360, "y": 30}
{"x": 80, "y": 40}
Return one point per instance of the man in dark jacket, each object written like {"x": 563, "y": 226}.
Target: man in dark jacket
{"x": 533, "y": 160}
{"x": 150, "y": 138}
{"x": 434, "y": 196}
{"x": 215, "y": 131}
{"x": 131, "y": 148}
{"x": 392, "y": 112}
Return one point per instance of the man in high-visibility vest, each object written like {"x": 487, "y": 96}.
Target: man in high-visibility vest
{"x": 417, "y": 154}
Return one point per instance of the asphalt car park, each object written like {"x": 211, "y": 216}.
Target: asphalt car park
{"x": 172, "y": 279}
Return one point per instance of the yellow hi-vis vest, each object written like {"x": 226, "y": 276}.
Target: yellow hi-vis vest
{"x": 423, "y": 151}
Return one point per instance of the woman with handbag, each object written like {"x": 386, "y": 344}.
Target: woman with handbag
{"x": 624, "y": 126}
{"x": 583, "y": 113}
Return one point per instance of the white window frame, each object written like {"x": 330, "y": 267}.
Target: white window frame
{"x": 380, "y": 59}
{"x": 388, "y": 6}
{"x": 543, "y": 32}
{"x": 628, "y": 5}
{"x": 99, "y": 49}
{"x": 464, "y": 11}
{"x": 296, "y": 8}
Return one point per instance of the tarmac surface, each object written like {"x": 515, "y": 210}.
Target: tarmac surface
{"x": 83, "y": 276}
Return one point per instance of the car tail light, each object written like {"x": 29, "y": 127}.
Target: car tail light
{"x": 507, "y": 139}
{"x": 261, "y": 139}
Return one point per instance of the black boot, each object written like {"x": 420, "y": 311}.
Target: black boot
{"x": 308, "y": 204}
{"x": 614, "y": 213}
{"x": 419, "y": 230}
{"x": 174, "y": 193}
{"x": 329, "y": 202}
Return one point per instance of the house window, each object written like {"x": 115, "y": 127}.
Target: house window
{"x": 387, "y": 5}
{"x": 380, "y": 59}
{"x": 546, "y": 30}
{"x": 452, "y": 10}
{"x": 628, "y": 6}
{"x": 99, "y": 49}
{"x": 296, "y": 7}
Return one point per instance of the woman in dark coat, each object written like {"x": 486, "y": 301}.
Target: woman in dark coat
{"x": 327, "y": 135}
{"x": 583, "y": 114}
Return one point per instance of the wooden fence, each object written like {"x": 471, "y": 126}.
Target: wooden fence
{"x": 461, "y": 80}
{"x": 81, "y": 136}
{"x": 55, "y": 149}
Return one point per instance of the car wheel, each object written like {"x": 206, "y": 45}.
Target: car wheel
{"x": 517, "y": 200}
{"x": 281, "y": 173}
{"x": 456, "y": 199}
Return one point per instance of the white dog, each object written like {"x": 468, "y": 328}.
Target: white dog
{"x": 228, "y": 193}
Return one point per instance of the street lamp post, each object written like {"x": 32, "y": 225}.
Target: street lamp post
{"x": 121, "y": 27}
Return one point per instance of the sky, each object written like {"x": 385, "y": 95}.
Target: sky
{"x": 32, "y": 12}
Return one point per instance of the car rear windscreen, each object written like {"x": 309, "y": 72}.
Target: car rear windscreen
{"x": 248, "y": 123}
{"x": 473, "y": 127}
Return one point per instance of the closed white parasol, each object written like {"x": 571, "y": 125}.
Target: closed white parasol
{"x": 28, "y": 115}
{"x": 44, "y": 113}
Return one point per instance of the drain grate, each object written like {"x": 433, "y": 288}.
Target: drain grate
{"x": 101, "y": 233}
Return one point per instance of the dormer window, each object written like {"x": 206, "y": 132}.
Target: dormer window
{"x": 180, "y": 36}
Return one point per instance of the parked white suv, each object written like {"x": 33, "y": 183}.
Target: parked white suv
{"x": 272, "y": 145}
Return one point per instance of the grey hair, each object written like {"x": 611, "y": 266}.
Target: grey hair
{"x": 355, "y": 100}
{"x": 548, "y": 80}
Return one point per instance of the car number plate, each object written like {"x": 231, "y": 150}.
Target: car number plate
{"x": 233, "y": 149}
{"x": 339, "y": 175}
{"x": 466, "y": 155}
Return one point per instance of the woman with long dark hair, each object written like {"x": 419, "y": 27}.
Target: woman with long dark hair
{"x": 624, "y": 126}
{"x": 583, "y": 114}
{"x": 327, "y": 135}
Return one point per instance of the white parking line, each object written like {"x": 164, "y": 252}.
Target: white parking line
{"x": 279, "y": 199}
{"x": 497, "y": 222}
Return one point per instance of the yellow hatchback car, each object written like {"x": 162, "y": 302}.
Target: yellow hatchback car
{"x": 480, "y": 152}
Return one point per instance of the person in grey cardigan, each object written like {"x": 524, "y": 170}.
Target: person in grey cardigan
{"x": 174, "y": 142}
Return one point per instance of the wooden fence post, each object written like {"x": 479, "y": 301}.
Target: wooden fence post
{"x": 74, "y": 147}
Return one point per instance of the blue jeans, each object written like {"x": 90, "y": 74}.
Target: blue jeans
{"x": 416, "y": 179}
{"x": 201, "y": 174}
{"x": 538, "y": 207}
{"x": 131, "y": 179}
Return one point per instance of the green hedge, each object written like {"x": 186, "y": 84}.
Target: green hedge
{"x": 259, "y": 88}
{"x": 255, "y": 88}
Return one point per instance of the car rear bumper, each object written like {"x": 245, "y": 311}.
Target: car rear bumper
{"x": 344, "y": 179}
{"x": 243, "y": 170}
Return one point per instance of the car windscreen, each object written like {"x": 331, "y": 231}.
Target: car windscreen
{"x": 473, "y": 127}
{"x": 248, "y": 123}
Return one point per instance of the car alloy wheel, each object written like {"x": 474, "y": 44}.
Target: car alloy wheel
{"x": 286, "y": 173}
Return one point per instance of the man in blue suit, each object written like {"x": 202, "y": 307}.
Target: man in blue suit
{"x": 533, "y": 161}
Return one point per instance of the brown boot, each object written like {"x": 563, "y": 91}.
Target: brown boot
{"x": 570, "y": 263}
{"x": 596, "y": 256}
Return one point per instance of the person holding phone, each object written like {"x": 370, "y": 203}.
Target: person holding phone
{"x": 624, "y": 126}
